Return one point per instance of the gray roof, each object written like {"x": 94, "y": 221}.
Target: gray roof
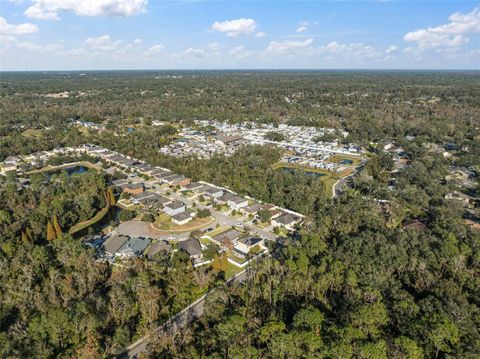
{"x": 192, "y": 246}
{"x": 181, "y": 216}
{"x": 229, "y": 235}
{"x": 144, "y": 195}
{"x": 175, "y": 205}
{"x": 211, "y": 190}
{"x": 135, "y": 244}
{"x": 156, "y": 199}
{"x": 286, "y": 219}
{"x": 156, "y": 247}
{"x": 134, "y": 185}
{"x": 237, "y": 199}
{"x": 114, "y": 242}
{"x": 253, "y": 208}
{"x": 193, "y": 185}
{"x": 119, "y": 182}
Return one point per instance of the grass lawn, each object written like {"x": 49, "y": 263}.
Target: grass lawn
{"x": 237, "y": 259}
{"x": 82, "y": 225}
{"x": 205, "y": 241}
{"x": 280, "y": 165}
{"x": 164, "y": 223}
{"x": 232, "y": 270}
{"x": 217, "y": 231}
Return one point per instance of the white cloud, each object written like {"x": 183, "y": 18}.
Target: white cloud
{"x": 49, "y": 9}
{"x": 261, "y": 34}
{"x": 302, "y": 29}
{"x": 29, "y": 46}
{"x": 214, "y": 46}
{"x": 154, "y": 50}
{"x": 240, "y": 53}
{"x": 21, "y": 29}
{"x": 450, "y": 35}
{"x": 355, "y": 51}
{"x": 137, "y": 41}
{"x": 287, "y": 46}
{"x": 391, "y": 49}
{"x": 102, "y": 43}
{"x": 194, "y": 52}
{"x": 235, "y": 27}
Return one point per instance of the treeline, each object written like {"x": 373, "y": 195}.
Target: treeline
{"x": 350, "y": 288}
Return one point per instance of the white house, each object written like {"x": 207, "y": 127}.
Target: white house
{"x": 237, "y": 202}
{"x": 174, "y": 208}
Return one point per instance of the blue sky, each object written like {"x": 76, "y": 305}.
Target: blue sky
{"x": 154, "y": 34}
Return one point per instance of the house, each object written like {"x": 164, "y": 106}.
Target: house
{"x": 245, "y": 244}
{"x": 142, "y": 197}
{"x": 213, "y": 192}
{"x": 179, "y": 181}
{"x": 236, "y": 202}
{"x": 192, "y": 186}
{"x": 113, "y": 243}
{"x": 134, "y": 188}
{"x": 192, "y": 247}
{"x": 157, "y": 201}
{"x": 228, "y": 238}
{"x": 286, "y": 220}
{"x": 252, "y": 209}
{"x": 181, "y": 218}
{"x": 12, "y": 160}
{"x": 120, "y": 183}
{"x": 174, "y": 208}
{"x": 158, "y": 247}
{"x": 134, "y": 246}
{"x": 8, "y": 168}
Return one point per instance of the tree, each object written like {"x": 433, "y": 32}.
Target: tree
{"x": 56, "y": 226}
{"x": 50, "y": 232}
{"x": 264, "y": 215}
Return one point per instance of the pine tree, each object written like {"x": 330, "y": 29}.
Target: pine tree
{"x": 50, "y": 232}
{"x": 56, "y": 226}
{"x": 111, "y": 196}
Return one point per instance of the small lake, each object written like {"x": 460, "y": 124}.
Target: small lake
{"x": 297, "y": 170}
{"x": 346, "y": 162}
{"x": 74, "y": 170}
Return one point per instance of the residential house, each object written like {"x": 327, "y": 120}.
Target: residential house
{"x": 213, "y": 192}
{"x": 192, "y": 186}
{"x": 245, "y": 244}
{"x": 120, "y": 183}
{"x": 157, "y": 201}
{"x": 174, "y": 208}
{"x": 158, "y": 247}
{"x": 142, "y": 197}
{"x": 192, "y": 247}
{"x": 114, "y": 243}
{"x": 134, "y": 188}
{"x": 236, "y": 202}
{"x": 286, "y": 220}
{"x": 181, "y": 218}
{"x": 228, "y": 238}
{"x": 252, "y": 209}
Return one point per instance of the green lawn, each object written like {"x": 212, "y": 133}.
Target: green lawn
{"x": 232, "y": 270}
{"x": 217, "y": 231}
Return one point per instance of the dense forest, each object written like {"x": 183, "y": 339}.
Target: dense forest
{"x": 355, "y": 281}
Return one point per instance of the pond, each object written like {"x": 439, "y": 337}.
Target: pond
{"x": 346, "y": 162}
{"x": 307, "y": 172}
{"x": 74, "y": 170}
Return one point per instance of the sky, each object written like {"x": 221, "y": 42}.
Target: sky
{"x": 157, "y": 34}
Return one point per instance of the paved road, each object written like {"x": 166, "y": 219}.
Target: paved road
{"x": 179, "y": 320}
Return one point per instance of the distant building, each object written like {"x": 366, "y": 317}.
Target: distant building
{"x": 113, "y": 243}
{"x": 158, "y": 247}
